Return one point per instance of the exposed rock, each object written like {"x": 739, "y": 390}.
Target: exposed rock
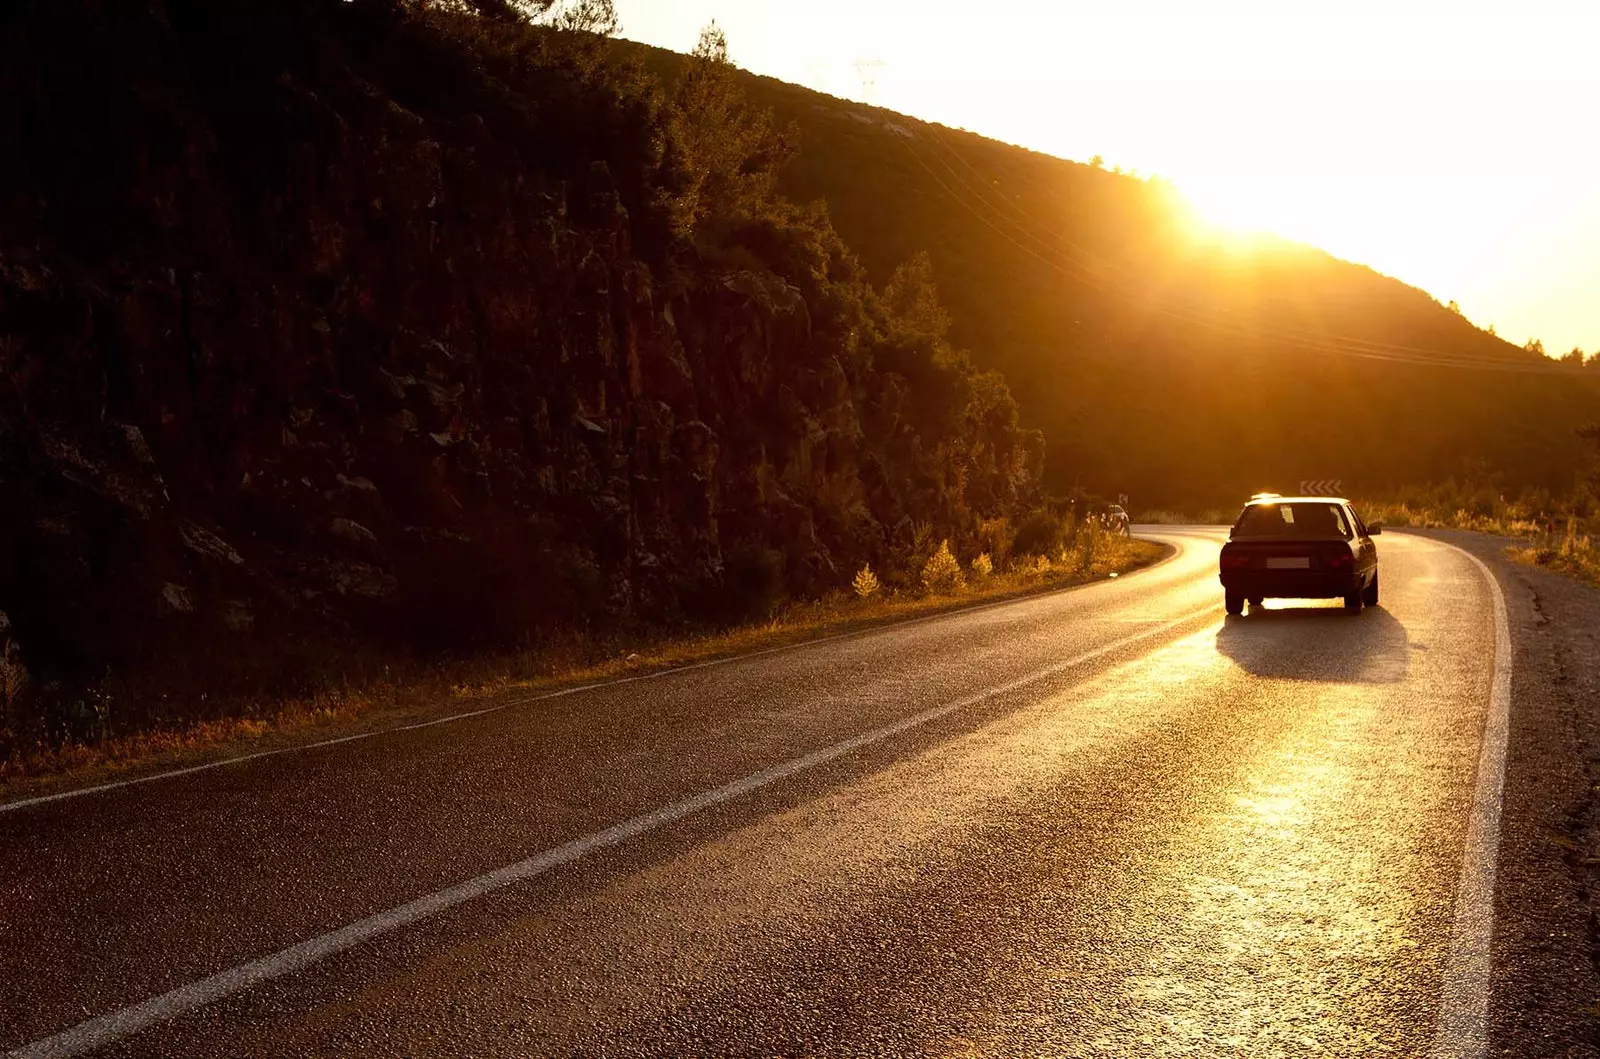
{"x": 203, "y": 542}
{"x": 402, "y": 423}
{"x": 137, "y": 445}
{"x": 237, "y": 615}
{"x": 444, "y": 397}
{"x": 362, "y": 579}
{"x": 361, "y": 485}
{"x": 500, "y": 386}
{"x": 52, "y": 525}
{"x": 397, "y": 385}
{"x": 353, "y": 532}
{"x": 175, "y": 599}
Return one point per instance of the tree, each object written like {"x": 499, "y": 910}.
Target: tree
{"x": 912, "y": 298}
{"x": 509, "y": 10}
{"x": 1573, "y": 356}
{"x": 1591, "y": 434}
{"x": 1098, "y": 162}
{"x": 1533, "y": 345}
{"x": 942, "y": 573}
{"x": 588, "y": 16}
{"x": 728, "y": 150}
{"x": 1453, "y": 307}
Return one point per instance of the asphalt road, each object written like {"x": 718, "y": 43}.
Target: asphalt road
{"x": 1102, "y": 822}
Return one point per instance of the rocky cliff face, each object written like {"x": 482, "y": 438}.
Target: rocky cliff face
{"x": 323, "y": 321}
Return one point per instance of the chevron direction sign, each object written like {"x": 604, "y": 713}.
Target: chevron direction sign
{"x": 1321, "y": 486}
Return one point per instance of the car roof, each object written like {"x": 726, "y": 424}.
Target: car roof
{"x": 1257, "y": 501}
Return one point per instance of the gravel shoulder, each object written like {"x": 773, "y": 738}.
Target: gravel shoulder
{"x": 1546, "y": 1000}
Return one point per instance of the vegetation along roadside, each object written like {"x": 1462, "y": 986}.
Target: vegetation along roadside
{"x": 375, "y": 692}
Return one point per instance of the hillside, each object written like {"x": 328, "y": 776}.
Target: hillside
{"x": 1180, "y": 371}
{"x": 335, "y": 327}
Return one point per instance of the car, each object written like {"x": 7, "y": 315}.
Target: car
{"x": 1300, "y": 547}
{"x": 1116, "y": 520}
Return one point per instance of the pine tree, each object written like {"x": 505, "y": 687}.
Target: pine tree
{"x": 942, "y": 573}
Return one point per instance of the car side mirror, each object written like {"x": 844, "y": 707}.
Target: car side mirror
{"x": 1375, "y": 529}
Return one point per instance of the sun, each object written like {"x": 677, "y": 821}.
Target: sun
{"x": 1226, "y": 215}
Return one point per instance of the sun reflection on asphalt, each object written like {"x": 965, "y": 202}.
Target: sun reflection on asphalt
{"x": 1300, "y": 900}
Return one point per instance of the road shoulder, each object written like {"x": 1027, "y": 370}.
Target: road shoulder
{"x": 1546, "y": 999}
{"x": 122, "y": 767}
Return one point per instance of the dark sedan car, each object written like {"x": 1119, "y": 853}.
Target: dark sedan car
{"x": 1300, "y": 547}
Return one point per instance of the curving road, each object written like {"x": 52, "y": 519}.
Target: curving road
{"x": 1102, "y": 822}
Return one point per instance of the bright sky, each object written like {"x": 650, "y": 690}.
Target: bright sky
{"x": 1454, "y": 144}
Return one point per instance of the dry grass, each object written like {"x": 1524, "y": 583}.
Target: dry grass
{"x": 414, "y": 693}
{"x": 1559, "y": 543}
{"x": 1504, "y": 520}
{"x": 1572, "y": 553}
{"x": 1164, "y": 517}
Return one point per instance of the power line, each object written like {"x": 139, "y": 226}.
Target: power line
{"x": 1280, "y": 332}
{"x": 1088, "y": 276}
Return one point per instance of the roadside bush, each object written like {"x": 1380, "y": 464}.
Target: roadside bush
{"x": 942, "y": 573}
{"x": 866, "y": 584}
{"x": 1039, "y": 534}
{"x": 994, "y": 539}
{"x": 752, "y": 581}
{"x": 982, "y": 567}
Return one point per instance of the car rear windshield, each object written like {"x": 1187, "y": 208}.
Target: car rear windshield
{"x": 1296, "y": 521}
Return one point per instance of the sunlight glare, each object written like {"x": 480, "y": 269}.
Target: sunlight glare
{"x": 1442, "y": 144}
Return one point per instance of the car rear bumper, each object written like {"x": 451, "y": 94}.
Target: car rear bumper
{"x": 1292, "y": 584}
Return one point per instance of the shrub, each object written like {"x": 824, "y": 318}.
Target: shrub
{"x": 753, "y": 581}
{"x": 942, "y": 573}
{"x": 994, "y": 539}
{"x": 982, "y": 567}
{"x": 1039, "y": 534}
{"x": 866, "y": 583}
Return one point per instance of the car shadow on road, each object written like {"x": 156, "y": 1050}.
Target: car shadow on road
{"x": 1318, "y": 643}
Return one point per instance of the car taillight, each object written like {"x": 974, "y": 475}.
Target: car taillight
{"x": 1339, "y": 560}
{"x": 1235, "y": 561}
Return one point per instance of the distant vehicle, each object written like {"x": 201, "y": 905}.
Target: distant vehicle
{"x": 1301, "y": 547}
{"x": 1116, "y": 520}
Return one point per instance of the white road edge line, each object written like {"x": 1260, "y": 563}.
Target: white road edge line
{"x": 1462, "y": 1031}
{"x": 100, "y": 788}
{"x": 106, "y": 1029}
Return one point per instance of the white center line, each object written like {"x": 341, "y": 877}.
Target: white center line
{"x": 105, "y": 1029}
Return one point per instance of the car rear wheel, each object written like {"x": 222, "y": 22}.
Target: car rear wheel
{"x": 1370, "y": 596}
{"x": 1256, "y": 601}
{"x": 1352, "y": 602}
{"x": 1233, "y": 602}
